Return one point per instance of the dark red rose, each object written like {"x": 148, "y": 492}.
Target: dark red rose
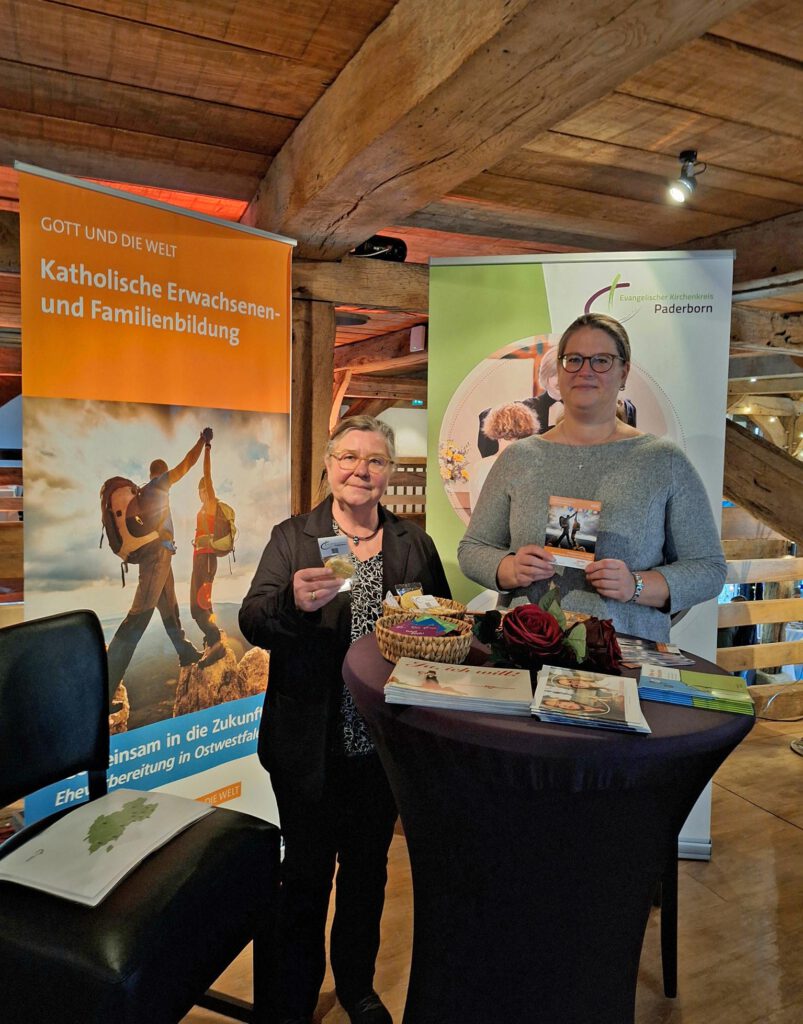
{"x": 532, "y": 635}
{"x": 602, "y": 648}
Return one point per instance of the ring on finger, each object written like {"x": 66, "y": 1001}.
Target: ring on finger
{"x": 313, "y": 595}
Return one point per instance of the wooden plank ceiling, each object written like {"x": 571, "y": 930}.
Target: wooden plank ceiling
{"x": 465, "y": 127}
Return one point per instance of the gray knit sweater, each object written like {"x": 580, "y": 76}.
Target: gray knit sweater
{"x": 655, "y": 515}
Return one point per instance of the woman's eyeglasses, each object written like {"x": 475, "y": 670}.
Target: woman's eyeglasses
{"x": 600, "y": 363}
{"x": 350, "y": 460}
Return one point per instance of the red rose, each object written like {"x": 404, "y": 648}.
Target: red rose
{"x": 532, "y": 635}
{"x": 602, "y": 648}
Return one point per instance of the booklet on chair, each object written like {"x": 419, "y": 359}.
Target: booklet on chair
{"x": 86, "y": 853}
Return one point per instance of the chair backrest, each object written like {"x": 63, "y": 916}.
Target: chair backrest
{"x": 54, "y": 703}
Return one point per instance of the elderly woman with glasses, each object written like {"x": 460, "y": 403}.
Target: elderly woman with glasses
{"x": 334, "y": 801}
{"x": 657, "y": 548}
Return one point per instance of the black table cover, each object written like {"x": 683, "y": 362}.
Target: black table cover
{"x": 535, "y": 849}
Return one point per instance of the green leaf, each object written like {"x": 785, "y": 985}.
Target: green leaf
{"x": 576, "y": 639}
{"x": 550, "y": 602}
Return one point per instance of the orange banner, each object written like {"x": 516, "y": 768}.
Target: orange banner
{"x": 126, "y": 301}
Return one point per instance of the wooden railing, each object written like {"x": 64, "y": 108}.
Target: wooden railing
{"x": 407, "y": 491}
{"x": 756, "y": 554}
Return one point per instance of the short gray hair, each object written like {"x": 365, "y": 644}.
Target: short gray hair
{"x": 368, "y": 423}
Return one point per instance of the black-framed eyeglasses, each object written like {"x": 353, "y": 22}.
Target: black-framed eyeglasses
{"x": 350, "y": 460}
{"x": 599, "y": 363}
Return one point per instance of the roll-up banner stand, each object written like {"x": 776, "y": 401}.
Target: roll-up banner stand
{"x": 495, "y": 321}
{"x": 143, "y": 324}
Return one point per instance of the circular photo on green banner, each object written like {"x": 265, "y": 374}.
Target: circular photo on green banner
{"x": 513, "y": 393}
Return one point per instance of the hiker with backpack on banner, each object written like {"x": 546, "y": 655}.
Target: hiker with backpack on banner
{"x": 150, "y": 517}
{"x": 214, "y": 537}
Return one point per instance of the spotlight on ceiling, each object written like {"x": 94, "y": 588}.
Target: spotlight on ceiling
{"x": 382, "y": 247}
{"x": 683, "y": 187}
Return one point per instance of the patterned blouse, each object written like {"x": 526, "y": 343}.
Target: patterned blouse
{"x": 366, "y": 607}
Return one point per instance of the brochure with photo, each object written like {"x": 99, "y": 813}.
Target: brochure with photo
{"x": 571, "y": 530}
{"x": 637, "y": 652}
{"x": 575, "y": 697}
{"x": 506, "y": 691}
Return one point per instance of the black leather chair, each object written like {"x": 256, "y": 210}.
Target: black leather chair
{"x": 150, "y": 950}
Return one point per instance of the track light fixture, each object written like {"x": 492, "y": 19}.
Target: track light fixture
{"x": 683, "y": 187}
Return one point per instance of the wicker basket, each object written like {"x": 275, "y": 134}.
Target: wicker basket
{"x": 446, "y": 610}
{"x": 452, "y": 649}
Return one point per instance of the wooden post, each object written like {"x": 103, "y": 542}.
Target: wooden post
{"x": 313, "y": 368}
{"x": 775, "y": 632}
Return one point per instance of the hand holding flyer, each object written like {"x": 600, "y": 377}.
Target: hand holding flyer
{"x": 571, "y": 531}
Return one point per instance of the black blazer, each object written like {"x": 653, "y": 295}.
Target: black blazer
{"x": 307, "y": 649}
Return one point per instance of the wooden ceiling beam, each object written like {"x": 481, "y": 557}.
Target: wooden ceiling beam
{"x": 769, "y": 161}
{"x": 617, "y": 218}
{"x": 764, "y": 480}
{"x": 480, "y": 80}
{"x": 318, "y": 32}
{"x": 369, "y": 406}
{"x": 463, "y": 216}
{"x": 769, "y": 291}
{"x": 764, "y": 331}
{"x": 758, "y": 197}
{"x": 764, "y": 250}
{"x": 9, "y": 242}
{"x": 759, "y": 405}
{"x": 10, "y": 301}
{"x": 355, "y": 281}
{"x": 74, "y": 97}
{"x": 183, "y": 63}
{"x": 400, "y": 389}
{"x": 383, "y": 352}
{"x": 766, "y": 385}
{"x": 723, "y": 208}
{"x": 717, "y": 74}
{"x": 101, "y": 151}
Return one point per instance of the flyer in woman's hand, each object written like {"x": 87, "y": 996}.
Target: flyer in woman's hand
{"x": 571, "y": 530}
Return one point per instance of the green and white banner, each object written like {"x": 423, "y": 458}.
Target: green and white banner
{"x": 494, "y": 328}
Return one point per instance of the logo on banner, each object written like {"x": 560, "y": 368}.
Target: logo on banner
{"x": 610, "y": 291}
{"x": 625, "y": 306}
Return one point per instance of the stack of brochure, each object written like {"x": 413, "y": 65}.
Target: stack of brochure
{"x": 695, "y": 689}
{"x": 636, "y": 652}
{"x": 504, "y": 691}
{"x": 89, "y": 851}
{"x": 576, "y": 697}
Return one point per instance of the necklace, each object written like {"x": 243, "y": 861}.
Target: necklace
{"x": 574, "y": 444}
{"x": 353, "y": 536}
{"x": 581, "y": 444}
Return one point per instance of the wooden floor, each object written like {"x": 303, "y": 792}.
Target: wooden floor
{"x": 741, "y": 914}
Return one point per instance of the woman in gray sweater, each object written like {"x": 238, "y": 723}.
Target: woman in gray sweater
{"x": 657, "y": 548}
